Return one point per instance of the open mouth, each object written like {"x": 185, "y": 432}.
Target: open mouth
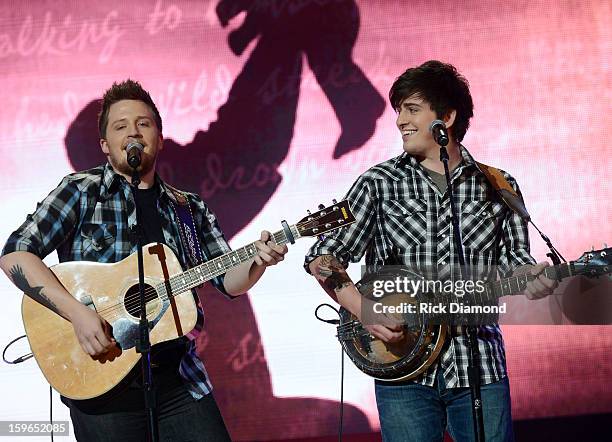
{"x": 408, "y": 133}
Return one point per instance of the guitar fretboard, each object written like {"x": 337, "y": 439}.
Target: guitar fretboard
{"x": 517, "y": 284}
{"x": 513, "y": 285}
{"x": 208, "y": 270}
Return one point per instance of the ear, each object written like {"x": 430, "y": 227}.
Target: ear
{"x": 104, "y": 146}
{"x": 161, "y": 142}
{"x": 449, "y": 118}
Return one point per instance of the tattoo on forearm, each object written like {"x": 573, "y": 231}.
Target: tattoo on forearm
{"x": 331, "y": 275}
{"x": 20, "y": 280}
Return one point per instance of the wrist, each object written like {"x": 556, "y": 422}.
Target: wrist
{"x": 258, "y": 267}
{"x": 71, "y": 309}
{"x": 350, "y": 298}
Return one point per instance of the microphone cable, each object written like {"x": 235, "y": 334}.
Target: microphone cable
{"x": 336, "y": 322}
{"x": 24, "y": 358}
{"x": 20, "y": 359}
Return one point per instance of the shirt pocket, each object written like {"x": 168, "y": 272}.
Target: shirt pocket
{"x": 406, "y": 222}
{"x": 97, "y": 241}
{"x": 481, "y": 222}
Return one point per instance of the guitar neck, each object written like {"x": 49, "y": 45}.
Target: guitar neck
{"x": 208, "y": 270}
{"x": 517, "y": 284}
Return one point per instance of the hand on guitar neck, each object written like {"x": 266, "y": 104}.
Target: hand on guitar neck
{"x": 240, "y": 279}
{"x": 540, "y": 286}
{"x": 269, "y": 253}
{"x": 332, "y": 276}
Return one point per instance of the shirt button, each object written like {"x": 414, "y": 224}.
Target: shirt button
{"x": 443, "y": 263}
{"x": 483, "y": 214}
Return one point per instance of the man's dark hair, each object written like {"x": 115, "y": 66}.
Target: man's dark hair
{"x": 442, "y": 87}
{"x": 126, "y": 90}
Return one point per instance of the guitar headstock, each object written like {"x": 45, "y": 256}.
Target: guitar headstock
{"x": 326, "y": 219}
{"x": 594, "y": 263}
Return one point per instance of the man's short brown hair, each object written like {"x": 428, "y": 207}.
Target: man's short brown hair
{"x": 126, "y": 90}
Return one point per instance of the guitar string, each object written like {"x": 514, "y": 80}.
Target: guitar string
{"x": 184, "y": 283}
{"x": 178, "y": 284}
{"x": 495, "y": 286}
{"x": 187, "y": 280}
{"x": 135, "y": 301}
{"x": 278, "y": 237}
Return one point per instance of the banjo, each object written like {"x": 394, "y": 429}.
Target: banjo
{"x": 423, "y": 338}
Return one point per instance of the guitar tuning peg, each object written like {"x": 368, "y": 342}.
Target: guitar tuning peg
{"x": 334, "y": 201}
{"x": 605, "y": 246}
{"x": 321, "y": 207}
{"x": 592, "y": 248}
{"x": 308, "y": 212}
{"x": 321, "y": 237}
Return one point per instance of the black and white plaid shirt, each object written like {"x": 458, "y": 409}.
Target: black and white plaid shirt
{"x": 88, "y": 217}
{"x": 403, "y": 218}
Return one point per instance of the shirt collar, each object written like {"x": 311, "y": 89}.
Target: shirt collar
{"x": 468, "y": 160}
{"x": 408, "y": 160}
{"x": 169, "y": 192}
{"x": 112, "y": 181}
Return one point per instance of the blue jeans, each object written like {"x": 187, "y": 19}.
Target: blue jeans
{"x": 411, "y": 412}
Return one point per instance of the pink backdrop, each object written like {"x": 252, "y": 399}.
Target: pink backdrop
{"x": 272, "y": 111}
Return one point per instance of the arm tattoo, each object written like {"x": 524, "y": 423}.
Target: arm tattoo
{"x": 20, "y": 280}
{"x": 331, "y": 275}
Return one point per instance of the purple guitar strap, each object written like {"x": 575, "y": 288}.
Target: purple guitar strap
{"x": 186, "y": 227}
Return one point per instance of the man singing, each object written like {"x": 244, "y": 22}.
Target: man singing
{"x": 90, "y": 217}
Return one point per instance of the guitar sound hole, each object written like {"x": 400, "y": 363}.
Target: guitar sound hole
{"x": 132, "y": 300}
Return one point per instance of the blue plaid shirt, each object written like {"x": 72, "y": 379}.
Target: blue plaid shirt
{"x": 88, "y": 217}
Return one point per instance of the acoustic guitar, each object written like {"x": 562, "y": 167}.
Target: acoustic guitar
{"x": 112, "y": 291}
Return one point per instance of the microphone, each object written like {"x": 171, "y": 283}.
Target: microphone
{"x": 134, "y": 150}
{"x": 439, "y": 131}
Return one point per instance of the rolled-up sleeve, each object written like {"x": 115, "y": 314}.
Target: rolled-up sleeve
{"x": 50, "y": 225}
{"x": 348, "y": 244}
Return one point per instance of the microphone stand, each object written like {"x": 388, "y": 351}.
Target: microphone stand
{"x": 143, "y": 344}
{"x": 473, "y": 351}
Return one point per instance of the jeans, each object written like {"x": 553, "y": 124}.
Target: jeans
{"x": 410, "y": 412}
{"x": 181, "y": 419}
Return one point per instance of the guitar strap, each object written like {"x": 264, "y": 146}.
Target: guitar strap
{"x": 186, "y": 226}
{"x": 504, "y": 190}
